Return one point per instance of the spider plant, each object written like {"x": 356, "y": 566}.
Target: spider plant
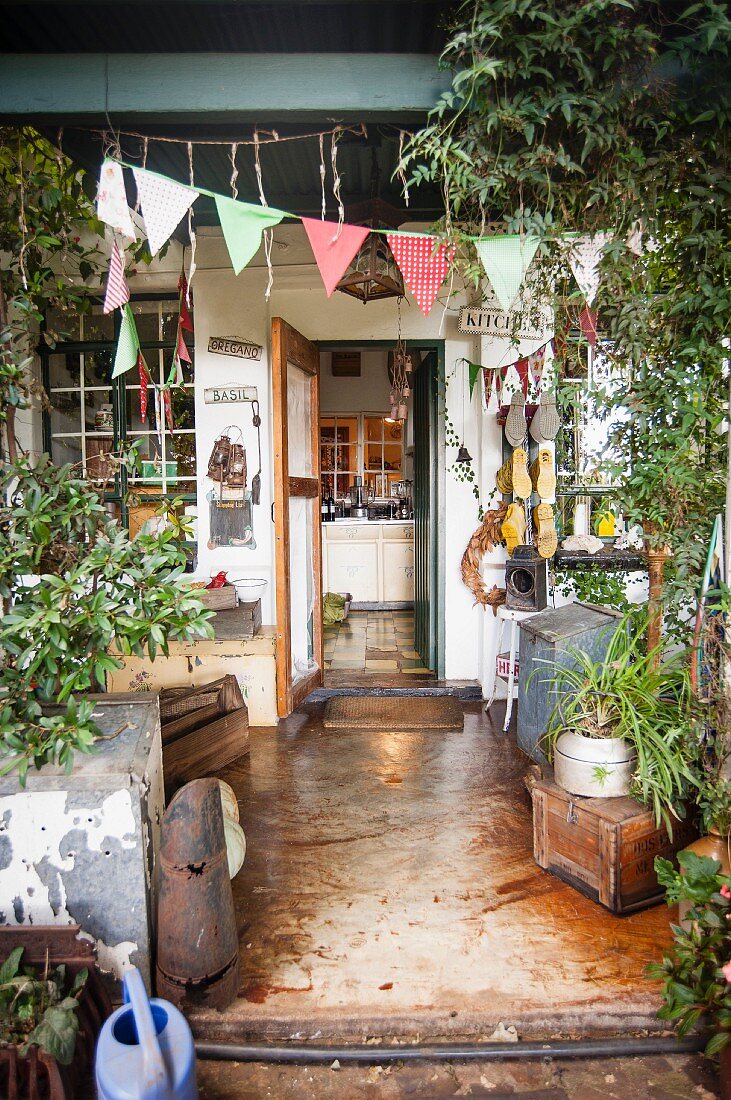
{"x": 641, "y": 696}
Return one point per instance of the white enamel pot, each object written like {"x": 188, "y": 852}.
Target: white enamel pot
{"x": 596, "y": 767}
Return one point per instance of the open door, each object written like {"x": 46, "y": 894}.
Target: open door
{"x": 296, "y": 401}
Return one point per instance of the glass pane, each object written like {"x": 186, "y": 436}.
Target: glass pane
{"x": 347, "y": 429}
{"x": 327, "y": 428}
{"x": 97, "y": 325}
{"x": 98, "y": 411}
{"x": 327, "y": 458}
{"x": 299, "y": 435}
{"x": 374, "y": 427}
{"x": 98, "y": 465}
{"x": 98, "y": 367}
{"x": 63, "y": 324}
{"x": 392, "y": 456}
{"x": 181, "y": 448}
{"x": 345, "y": 482}
{"x": 347, "y": 457}
{"x": 169, "y": 326}
{"x": 147, "y": 320}
{"x": 65, "y": 413}
{"x": 64, "y": 370}
{"x": 66, "y": 450}
{"x": 373, "y": 458}
{"x": 393, "y": 431}
{"x": 302, "y": 586}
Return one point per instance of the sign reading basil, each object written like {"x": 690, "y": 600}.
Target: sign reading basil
{"x": 229, "y": 395}
{"x": 230, "y": 345}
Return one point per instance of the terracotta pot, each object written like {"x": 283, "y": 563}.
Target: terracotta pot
{"x": 580, "y": 763}
{"x": 715, "y": 846}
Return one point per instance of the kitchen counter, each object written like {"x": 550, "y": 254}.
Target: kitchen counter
{"x": 367, "y": 522}
{"x": 371, "y": 558}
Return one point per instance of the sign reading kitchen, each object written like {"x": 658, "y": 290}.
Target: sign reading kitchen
{"x": 229, "y": 395}
{"x": 230, "y": 345}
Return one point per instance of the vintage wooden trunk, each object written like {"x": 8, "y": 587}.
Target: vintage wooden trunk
{"x": 605, "y": 847}
{"x": 244, "y": 622}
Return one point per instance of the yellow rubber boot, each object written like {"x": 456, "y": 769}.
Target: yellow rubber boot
{"x": 522, "y": 485}
{"x": 545, "y": 528}
{"x": 504, "y": 477}
{"x": 545, "y": 481}
{"x": 513, "y": 527}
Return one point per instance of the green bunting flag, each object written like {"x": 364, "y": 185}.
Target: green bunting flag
{"x": 474, "y": 369}
{"x": 243, "y": 224}
{"x": 506, "y": 260}
{"x": 128, "y": 345}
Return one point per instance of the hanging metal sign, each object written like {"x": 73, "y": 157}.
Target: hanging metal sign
{"x": 494, "y": 321}
{"x": 231, "y": 345}
{"x": 229, "y": 395}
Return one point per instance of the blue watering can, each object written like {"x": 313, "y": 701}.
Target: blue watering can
{"x": 145, "y": 1049}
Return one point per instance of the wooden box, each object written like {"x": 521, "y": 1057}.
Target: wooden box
{"x": 241, "y": 622}
{"x": 203, "y": 729}
{"x": 605, "y": 847}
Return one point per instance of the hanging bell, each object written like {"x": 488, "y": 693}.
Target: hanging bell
{"x": 463, "y": 455}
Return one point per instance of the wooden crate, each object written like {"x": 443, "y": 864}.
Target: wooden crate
{"x": 203, "y": 729}
{"x": 605, "y": 847}
{"x": 243, "y": 621}
{"x": 218, "y": 598}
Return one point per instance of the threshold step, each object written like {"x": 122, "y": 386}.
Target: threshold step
{"x": 466, "y": 690}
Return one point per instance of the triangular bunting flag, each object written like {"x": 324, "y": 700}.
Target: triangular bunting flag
{"x": 144, "y": 383}
{"x": 587, "y": 320}
{"x": 111, "y": 200}
{"x": 128, "y": 345}
{"x": 488, "y": 381}
{"x": 536, "y": 362}
{"x": 117, "y": 293}
{"x": 506, "y": 260}
{"x": 584, "y": 255}
{"x": 333, "y": 251}
{"x": 186, "y": 321}
{"x": 243, "y": 224}
{"x": 522, "y": 368}
{"x": 422, "y": 267}
{"x": 163, "y": 203}
{"x": 182, "y": 355}
{"x": 182, "y": 351}
{"x": 474, "y": 369}
{"x": 168, "y": 404}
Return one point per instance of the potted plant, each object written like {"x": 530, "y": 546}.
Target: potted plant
{"x": 622, "y": 724}
{"x": 696, "y": 973}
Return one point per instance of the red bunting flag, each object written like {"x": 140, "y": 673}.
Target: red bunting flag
{"x": 144, "y": 383}
{"x": 522, "y": 368}
{"x": 181, "y": 351}
{"x": 334, "y": 247}
{"x": 117, "y": 294}
{"x": 588, "y": 320}
{"x": 168, "y": 408}
{"x": 423, "y": 267}
{"x": 186, "y": 321}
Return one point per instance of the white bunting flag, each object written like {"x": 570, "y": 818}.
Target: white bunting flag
{"x": 584, "y": 255}
{"x": 163, "y": 203}
{"x": 506, "y": 260}
{"x": 111, "y": 200}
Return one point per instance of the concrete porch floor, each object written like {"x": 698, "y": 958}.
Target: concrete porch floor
{"x": 389, "y": 890}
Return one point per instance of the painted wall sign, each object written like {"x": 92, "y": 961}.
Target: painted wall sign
{"x": 230, "y": 345}
{"x": 229, "y": 395}
{"x": 493, "y": 321}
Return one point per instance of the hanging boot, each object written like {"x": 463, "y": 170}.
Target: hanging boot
{"x": 513, "y": 527}
{"x": 504, "y": 477}
{"x": 515, "y": 425}
{"x": 522, "y": 485}
{"x": 545, "y": 528}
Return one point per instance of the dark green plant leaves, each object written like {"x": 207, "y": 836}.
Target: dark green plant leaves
{"x": 56, "y": 1032}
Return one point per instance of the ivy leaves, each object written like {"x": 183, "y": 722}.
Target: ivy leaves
{"x": 39, "y": 1009}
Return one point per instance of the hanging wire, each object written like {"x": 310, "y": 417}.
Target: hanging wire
{"x": 401, "y": 173}
{"x": 145, "y": 149}
{"x": 21, "y": 218}
{"x": 234, "y": 169}
{"x": 265, "y": 137}
{"x": 322, "y": 175}
{"x": 267, "y": 234}
{"x": 191, "y": 231}
{"x": 336, "y": 181}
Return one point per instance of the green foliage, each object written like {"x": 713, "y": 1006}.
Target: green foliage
{"x": 632, "y": 694}
{"x": 39, "y": 1009}
{"x": 611, "y": 115}
{"x": 695, "y": 987}
{"x": 77, "y": 588}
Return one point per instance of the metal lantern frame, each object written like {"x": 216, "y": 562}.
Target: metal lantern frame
{"x": 364, "y": 281}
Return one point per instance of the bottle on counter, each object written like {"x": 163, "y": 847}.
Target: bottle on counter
{"x": 347, "y": 505}
{"x": 324, "y": 509}
{"x": 331, "y": 508}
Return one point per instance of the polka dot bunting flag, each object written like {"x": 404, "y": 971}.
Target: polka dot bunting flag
{"x": 422, "y": 267}
{"x": 164, "y": 203}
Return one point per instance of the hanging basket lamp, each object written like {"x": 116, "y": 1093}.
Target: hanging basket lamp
{"x": 373, "y": 274}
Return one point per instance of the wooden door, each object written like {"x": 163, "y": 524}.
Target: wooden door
{"x": 296, "y": 402}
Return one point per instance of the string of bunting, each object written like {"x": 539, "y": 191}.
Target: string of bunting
{"x": 529, "y": 369}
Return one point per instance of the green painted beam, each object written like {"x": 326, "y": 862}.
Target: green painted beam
{"x": 216, "y": 87}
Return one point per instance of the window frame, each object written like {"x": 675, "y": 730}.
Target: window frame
{"x": 361, "y": 443}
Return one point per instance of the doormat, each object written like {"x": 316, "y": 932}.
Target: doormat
{"x": 393, "y": 712}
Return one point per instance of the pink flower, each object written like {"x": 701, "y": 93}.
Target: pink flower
{"x": 724, "y": 891}
{"x": 726, "y": 971}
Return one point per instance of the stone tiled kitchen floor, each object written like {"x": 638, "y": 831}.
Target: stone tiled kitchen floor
{"x": 373, "y": 641}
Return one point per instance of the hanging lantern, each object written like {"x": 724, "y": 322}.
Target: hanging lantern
{"x": 373, "y": 274}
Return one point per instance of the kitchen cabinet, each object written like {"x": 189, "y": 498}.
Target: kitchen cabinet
{"x": 374, "y": 561}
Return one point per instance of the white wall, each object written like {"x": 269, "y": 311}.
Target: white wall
{"x": 367, "y": 393}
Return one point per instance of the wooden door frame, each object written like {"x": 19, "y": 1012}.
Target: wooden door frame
{"x": 438, "y": 513}
{"x": 290, "y": 346}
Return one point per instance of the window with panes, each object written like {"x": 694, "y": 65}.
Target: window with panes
{"x": 363, "y": 443}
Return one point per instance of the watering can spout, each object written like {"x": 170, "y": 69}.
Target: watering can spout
{"x": 155, "y": 1081}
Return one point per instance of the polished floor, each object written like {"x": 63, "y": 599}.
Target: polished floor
{"x": 390, "y": 889}
{"x": 373, "y": 641}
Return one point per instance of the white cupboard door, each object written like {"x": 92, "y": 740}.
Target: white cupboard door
{"x": 353, "y": 567}
{"x": 398, "y": 571}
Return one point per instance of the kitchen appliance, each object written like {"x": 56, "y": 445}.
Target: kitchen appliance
{"x": 359, "y": 509}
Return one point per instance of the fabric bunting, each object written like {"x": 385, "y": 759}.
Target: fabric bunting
{"x": 334, "y": 247}
{"x": 111, "y": 200}
{"x": 422, "y": 267}
{"x": 243, "y": 224}
{"x": 145, "y": 380}
{"x": 117, "y": 293}
{"x": 506, "y": 260}
{"x": 536, "y": 363}
{"x": 588, "y": 322}
{"x": 168, "y": 404}
{"x": 186, "y": 321}
{"x": 522, "y": 367}
{"x": 128, "y": 345}
{"x": 489, "y": 376}
{"x": 163, "y": 203}
{"x": 474, "y": 373}
{"x": 584, "y": 256}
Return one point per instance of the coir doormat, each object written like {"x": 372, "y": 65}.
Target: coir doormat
{"x": 393, "y": 712}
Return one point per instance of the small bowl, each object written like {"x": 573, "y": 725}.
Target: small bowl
{"x": 249, "y": 590}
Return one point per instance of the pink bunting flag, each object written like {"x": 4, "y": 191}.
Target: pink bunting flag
{"x": 522, "y": 367}
{"x": 588, "y": 322}
{"x": 167, "y": 402}
{"x": 186, "y": 321}
{"x": 144, "y": 383}
{"x": 334, "y": 247}
{"x": 181, "y": 350}
{"x": 423, "y": 267}
{"x": 117, "y": 293}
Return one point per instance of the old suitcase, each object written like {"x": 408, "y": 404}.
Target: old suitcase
{"x": 605, "y": 847}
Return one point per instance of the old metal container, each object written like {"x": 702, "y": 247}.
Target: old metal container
{"x": 546, "y": 639}
{"x": 197, "y": 944}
